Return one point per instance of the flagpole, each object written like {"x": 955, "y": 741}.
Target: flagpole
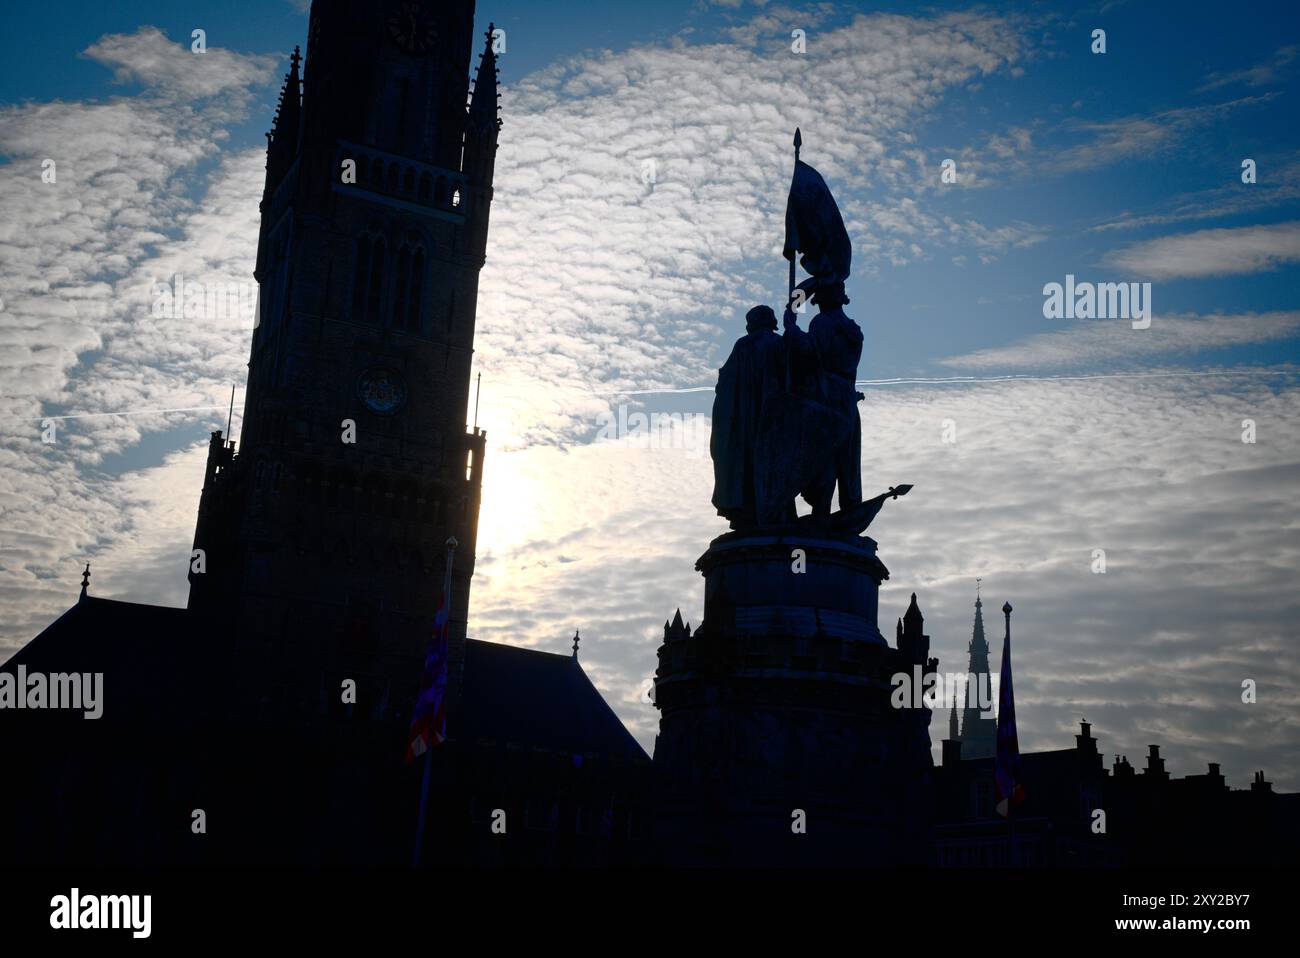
{"x": 1011, "y": 811}
{"x": 428, "y": 758}
{"x": 798, "y": 142}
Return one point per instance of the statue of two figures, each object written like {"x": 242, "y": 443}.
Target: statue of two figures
{"x": 785, "y": 412}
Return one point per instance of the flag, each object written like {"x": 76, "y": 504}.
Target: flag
{"x": 429, "y": 723}
{"x": 814, "y": 227}
{"x": 1010, "y": 791}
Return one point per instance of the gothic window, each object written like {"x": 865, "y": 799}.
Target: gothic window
{"x": 426, "y": 186}
{"x": 402, "y": 285}
{"x": 392, "y": 177}
{"x": 440, "y": 192}
{"x": 361, "y": 278}
{"x": 374, "y": 284}
{"x": 408, "y": 181}
{"x": 417, "y": 290}
{"x": 408, "y": 294}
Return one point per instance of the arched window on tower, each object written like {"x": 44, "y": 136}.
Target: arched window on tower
{"x": 368, "y": 278}
{"x": 374, "y": 290}
{"x": 415, "y": 300}
{"x": 408, "y": 292}
{"x": 426, "y": 186}
{"x": 401, "y": 286}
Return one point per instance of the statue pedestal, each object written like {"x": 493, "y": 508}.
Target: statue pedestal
{"x": 779, "y": 704}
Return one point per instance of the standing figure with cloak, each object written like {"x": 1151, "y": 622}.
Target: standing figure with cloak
{"x": 753, "y": 374}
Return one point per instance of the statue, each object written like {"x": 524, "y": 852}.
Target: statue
{"x": 785, "y": 417}
{"x": 752, "y": 376}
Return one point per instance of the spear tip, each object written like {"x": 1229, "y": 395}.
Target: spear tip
{"x": 798, "y": 138}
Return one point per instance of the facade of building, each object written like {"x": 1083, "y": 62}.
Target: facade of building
{"x": 1078, "y": 813}
{"x": 267, "y": 722}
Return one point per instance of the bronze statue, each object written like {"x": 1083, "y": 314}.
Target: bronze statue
{"x": 785, "y": 417}
{"x": 753, "y": 374}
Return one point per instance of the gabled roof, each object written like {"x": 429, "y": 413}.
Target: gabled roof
{"x": 147, "y": 654}
{"x": 152, "y": 658}
{"x": 534, "y": 699}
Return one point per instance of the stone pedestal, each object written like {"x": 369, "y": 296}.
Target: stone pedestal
{"x": 779, "y": 704}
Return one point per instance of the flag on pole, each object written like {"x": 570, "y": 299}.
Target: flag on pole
{"x": 814, "y": 227}
{"x": 1010, "y": 791}
{"x": 429, "y": 723}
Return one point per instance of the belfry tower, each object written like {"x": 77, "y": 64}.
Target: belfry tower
{"x": 324, "y": 534}
{"x": 979, "y": 735}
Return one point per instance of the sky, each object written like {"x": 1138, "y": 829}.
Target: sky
{"x": 641, "y": 180}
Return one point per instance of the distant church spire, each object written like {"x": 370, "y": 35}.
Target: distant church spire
{"x": 978, "y": 733}
{"x": 953, "y": 734}
{"x": 85, "y": 580}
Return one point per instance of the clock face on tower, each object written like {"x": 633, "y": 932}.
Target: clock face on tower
{"x": 382, "y": 390}
{"x": 412, "y": 28}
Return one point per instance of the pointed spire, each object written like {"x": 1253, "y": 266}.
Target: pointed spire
{"x": 85, "y": 581}
{"x": 576, "y": 637}
{"x": 484, "y": 109}
{"x": 913, "y": 613}
{"x": 978, "y": 642}
{"x": 677, "y": 620}
{"x": 282, "y": 141}
{"x": 953, "y": 734}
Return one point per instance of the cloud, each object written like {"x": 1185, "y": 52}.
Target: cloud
{"x": 1093, "y": 344}
{"x": 1200, "y": 533}
{"x": 1267, "y": 73}
{"x": 640, "y": 195}
{"x": 175, "y": 71}
{"x": 1213, "y": 252}
{"x": 601, "y": 280}
{"x": 1280, "y": 185}
{"x": 77, "y": 334}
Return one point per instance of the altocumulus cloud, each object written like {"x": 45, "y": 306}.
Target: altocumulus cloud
{"x": 625, "y": 228}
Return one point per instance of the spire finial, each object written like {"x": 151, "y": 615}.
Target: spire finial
{"x": 85, "y": 580}
{"x": 576, "y": 638}
{"x": 295, "y": 59}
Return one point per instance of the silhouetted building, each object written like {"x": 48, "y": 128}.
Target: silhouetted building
{"x": 1078, "y": 814}
{"x": 320, "y": 539}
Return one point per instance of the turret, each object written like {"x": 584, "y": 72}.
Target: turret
{"x": 282, "y": 141}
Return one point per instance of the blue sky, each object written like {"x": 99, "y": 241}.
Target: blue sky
{"x": 603, "y": 289}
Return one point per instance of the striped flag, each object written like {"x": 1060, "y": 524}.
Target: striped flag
{"x": 1010, "y": 791}
{"x": 429, "y": 723}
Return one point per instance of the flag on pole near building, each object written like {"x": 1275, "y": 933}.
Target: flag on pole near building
{"x": 1010, "y": 791}
{"x": 429, "y": 723}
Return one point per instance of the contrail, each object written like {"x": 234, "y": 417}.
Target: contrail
{"x": 124, "y": 412}
{"x": 679, "y": 390}
{"x": 977, "y": 380}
